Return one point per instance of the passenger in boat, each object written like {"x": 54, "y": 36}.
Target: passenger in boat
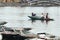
{"x": 42, "y": 16}
{"x": 33, "y": 14}
{"x": 47, "y": 16}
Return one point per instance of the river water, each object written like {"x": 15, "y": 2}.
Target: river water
{"x": 18, "y": 17}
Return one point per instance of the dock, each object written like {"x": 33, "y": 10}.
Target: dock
{"x": 12, "y": 34}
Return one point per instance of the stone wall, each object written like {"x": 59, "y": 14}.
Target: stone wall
{"x": 10, "y": 1}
